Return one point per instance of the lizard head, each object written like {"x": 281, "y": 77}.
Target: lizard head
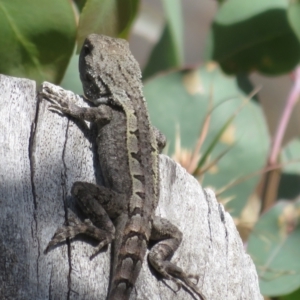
{"x": 105, "y": 64}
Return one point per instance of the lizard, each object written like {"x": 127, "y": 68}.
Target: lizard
{"x": 121, "y": 212}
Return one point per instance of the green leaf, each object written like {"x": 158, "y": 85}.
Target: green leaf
{"x": 181, "y": 99}
{"x": 80, "y": 4}
{"x": 274, "y": 248}
{"x": 291, "y": 153}
{"x": 293, "y": 296}
{"x": 289, "y": 187}
{"x": 294, "y": 18}
{"x": 37, "y": 38}
{"x": 109, "y": 17}
{"x": 175, "y": 23}
{"x": 254, "y": 35}
{"x": 168, "y": 52}
{"x": 71, "y": 80}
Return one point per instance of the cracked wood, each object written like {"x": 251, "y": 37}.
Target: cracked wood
{"x": 38, "y": 168}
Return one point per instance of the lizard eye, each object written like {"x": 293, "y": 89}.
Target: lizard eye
{"x": 86, "y": 50}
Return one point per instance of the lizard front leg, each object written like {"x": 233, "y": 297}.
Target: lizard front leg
{"x": 98, "y": 203}
{"x": 63, "y": 101}
{"x": 169, "y": 238}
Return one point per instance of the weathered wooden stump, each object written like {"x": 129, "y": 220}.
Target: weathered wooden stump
{"x": 41, "y": 155}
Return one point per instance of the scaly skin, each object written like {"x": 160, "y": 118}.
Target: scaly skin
{"x": 122, "y": 211}
{"x": 120, "y": 79}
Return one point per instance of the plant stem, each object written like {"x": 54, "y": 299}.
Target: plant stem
{"x": 291, "y": 102}
{"x": 271, "y": 180}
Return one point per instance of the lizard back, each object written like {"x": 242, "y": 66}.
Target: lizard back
{"x": 108, "y": 69}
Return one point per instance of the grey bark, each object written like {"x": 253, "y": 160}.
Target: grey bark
{"x": 41, "y": 155}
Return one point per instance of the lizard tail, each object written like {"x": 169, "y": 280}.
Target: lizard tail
{"x": 128, "y": 265}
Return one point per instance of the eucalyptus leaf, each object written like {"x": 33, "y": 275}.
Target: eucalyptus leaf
{"x": 293, "y": 296}
{"x": 181, "y": 100}
{"x": 255, "y": 35}
{"x": 37, "y": 38}
{"x": 109, "y": 17}
{"x": 71, "y": 80}
{"x": 168, "y": 52}
{"x": 289, "y": 187}
{"x": 274, "y": 248}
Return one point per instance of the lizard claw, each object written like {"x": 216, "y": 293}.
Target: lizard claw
{"x": 179, "y": 285}
{"x": 99, "y": 248}
{"x": 196, "y": 277}
{"x": 58, "y": 106}
{"x": 56, "y": 109}
{"x": 176, "y": 281}
{"x": 59, "y": 236}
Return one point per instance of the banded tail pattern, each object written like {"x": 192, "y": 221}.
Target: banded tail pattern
{"x": 136, "y": 234}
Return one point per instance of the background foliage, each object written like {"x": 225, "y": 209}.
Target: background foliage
{"x": 211, "y": 114}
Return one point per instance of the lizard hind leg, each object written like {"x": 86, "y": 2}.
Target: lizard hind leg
{"x": 99, "y": 204}
{"x": 169, "y": 238}
{"x": 77, "y": 227}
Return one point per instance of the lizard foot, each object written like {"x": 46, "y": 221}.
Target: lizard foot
{"x": 77, "y": 227}
{"x": 169, "y": 238}
{"x": 174, "y": 273}
{"x": 58, "y": 98}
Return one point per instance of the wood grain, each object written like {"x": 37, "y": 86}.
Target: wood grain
{"x": 41, "y": 155}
